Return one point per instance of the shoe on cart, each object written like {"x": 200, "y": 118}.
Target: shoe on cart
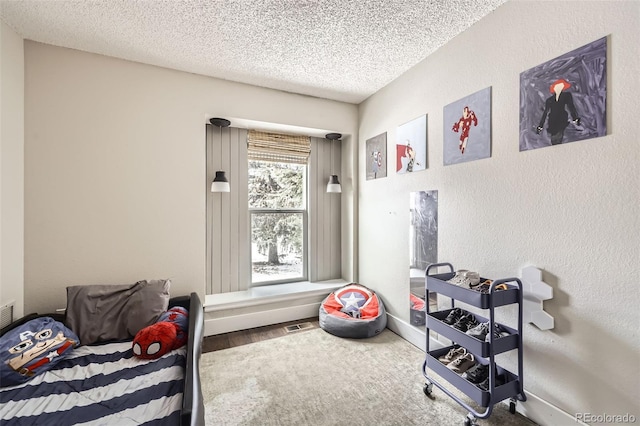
{"x": 498, "y": 332}
{"x": 476, "y": 374}
{"x": 484, "y": 385}
{"x": 465, "y": 322}
{"x": 462, "y": 364}
{"x": 455, "y": 352}
{"x": 479, "y": 331}
{"x": 453, "y": 316}
{"x": 464, "y": 278}
{"x": 458, "y": 278}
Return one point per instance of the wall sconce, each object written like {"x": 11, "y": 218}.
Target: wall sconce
{"x": 334, "y": 184}
{"x": 220, "y": 183}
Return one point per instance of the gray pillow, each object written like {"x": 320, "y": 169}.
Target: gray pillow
{"x": 98, "y": 313}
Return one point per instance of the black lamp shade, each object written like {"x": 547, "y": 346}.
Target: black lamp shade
{"x": 334, "y": 184}
{"x": 220, "y": 183}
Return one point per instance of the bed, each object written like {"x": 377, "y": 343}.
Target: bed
{"x": 105, "y": 384}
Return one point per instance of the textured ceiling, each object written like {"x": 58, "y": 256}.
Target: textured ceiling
{"x": 337, "y": 49}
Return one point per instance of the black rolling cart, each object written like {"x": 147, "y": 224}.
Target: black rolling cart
{"x": 502, "y": 384}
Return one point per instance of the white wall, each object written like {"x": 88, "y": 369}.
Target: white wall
{"x": 11, "y": 168}
{"x": 571, "y": 210}
{"x": 115, "y": 167}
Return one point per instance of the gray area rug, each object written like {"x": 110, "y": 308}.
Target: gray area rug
{"x": 314, "y": 378}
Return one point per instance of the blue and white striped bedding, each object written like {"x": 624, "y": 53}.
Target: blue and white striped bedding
{"x": 100, "y": 385}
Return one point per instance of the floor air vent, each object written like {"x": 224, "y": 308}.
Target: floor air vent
{"x": 296, "y": 327}
{"x": 6, "y": 314}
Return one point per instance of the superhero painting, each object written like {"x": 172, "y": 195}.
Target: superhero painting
{"x": 467, "y": 128}
{"x": 411, "y": 146}
{"x": 376, "y": 156}
{"x": 564, "y": 100}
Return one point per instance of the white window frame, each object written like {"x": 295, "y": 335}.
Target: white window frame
{"x": 305, "y": 246}
{"x": 305, "y": 230}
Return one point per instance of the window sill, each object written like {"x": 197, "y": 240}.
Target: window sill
{"x": 269, "y": 294}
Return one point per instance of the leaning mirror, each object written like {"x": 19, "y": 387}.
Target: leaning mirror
{"x": 423, "y": 249}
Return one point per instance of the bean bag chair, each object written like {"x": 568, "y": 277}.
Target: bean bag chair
{"x": 417, "y": 310}
{"x": 353, "y": 311}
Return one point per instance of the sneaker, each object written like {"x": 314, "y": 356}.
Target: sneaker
{"x": 484, "y": 385}
{"x": 482, "y": 288}
{"x": 453, "y": 353}
{"x": 465, "y": 322}
{"x": 479, "y": 331}
{"x": 458, "y": 277}
{"x": 453, "y": 316}
{"x": 498, "y": 332}
{"x": 465, "y": 278}
{"x": 462, "y": 363}
{"x": 477, "y": 374}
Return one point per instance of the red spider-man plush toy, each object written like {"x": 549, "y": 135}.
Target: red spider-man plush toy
{"x": 167, "y": 334}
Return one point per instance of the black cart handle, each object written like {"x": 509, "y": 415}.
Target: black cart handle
{"x": 435, "y": 265}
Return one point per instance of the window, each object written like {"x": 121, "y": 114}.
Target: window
{"x": 278, "y": 196}
{"x": 278, "y": 220}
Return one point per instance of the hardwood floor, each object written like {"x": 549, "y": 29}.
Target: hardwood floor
{"x": 243, "y": 337}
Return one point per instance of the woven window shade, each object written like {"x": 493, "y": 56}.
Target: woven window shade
{"x": 265, "y": 146}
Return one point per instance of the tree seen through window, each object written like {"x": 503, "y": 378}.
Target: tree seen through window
{"x": 277, "y": 204}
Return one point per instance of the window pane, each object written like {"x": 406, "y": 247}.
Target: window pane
{"x": 276, "y": 246}
{"x": 276, "y": 185}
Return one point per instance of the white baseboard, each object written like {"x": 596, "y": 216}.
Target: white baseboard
{"x": 545, "y": 413}
{"x": 412, "y": 334}
{"x": 259, "y": 318}
{"x": 534, "y": 408}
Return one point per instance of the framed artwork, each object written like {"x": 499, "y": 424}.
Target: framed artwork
{"x": 564, "y": 100}
{"x": 411, "y": 146}
{"x": 467, "y": 128}
{"x": 377, "y": 156}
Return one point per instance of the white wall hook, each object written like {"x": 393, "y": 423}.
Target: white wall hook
{"x": 534, "y": 292}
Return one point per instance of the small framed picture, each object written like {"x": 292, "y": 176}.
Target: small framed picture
{"x": 376, "y": 156}
{"x": 467, "y": 128}
{"x": 411, "y": 146}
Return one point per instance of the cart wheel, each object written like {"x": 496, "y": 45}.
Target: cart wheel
{"x": 512, "y": 407}
{"x": 470, "y": 420}
{"x": 427, "y": 389}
